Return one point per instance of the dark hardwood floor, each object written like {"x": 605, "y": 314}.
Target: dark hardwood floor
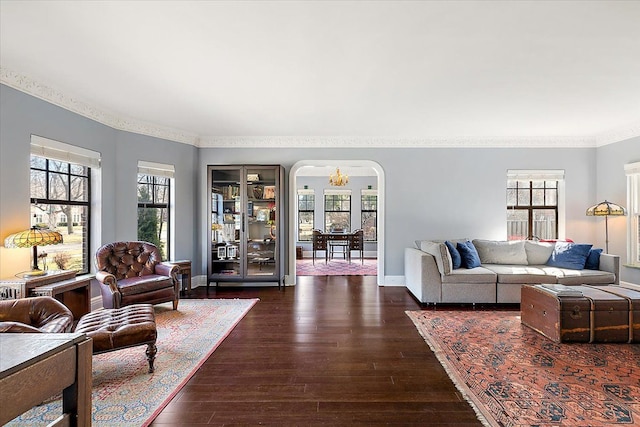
{"x": 331, "y": 351}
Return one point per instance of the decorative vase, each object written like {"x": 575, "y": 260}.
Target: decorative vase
{"x": 258, "y": 191}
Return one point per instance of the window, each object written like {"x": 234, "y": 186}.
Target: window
{"x": 306, "y": 207}
{"x": 337, "y": 210}
{"x": 533, "y": 204}
{"x": 154, "y": 193}
{"x": 369, "y": 214}
{"x": 61, "y": 200}
{"x": 632, "y": 170}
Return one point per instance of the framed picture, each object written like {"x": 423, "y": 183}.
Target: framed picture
{"x": 222, "y": 252}
{"x": 269, "y": 192}
{"x": 232, "y": 252}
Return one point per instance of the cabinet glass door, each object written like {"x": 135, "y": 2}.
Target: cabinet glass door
{"x": 261, "y": 211}
{"x": 226, "y": 222}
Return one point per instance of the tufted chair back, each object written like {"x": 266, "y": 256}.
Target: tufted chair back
{"x": 128, "y": 259}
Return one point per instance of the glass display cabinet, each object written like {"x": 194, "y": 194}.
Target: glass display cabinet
{"x": 246, "y": 211}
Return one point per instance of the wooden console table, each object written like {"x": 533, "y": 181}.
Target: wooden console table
{"x": 35, "y": 367}
{"x": 63, "y": 285}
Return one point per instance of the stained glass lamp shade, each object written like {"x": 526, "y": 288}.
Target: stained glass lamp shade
{"x": 33, "y": 237}
{"x": 606, "y": 209}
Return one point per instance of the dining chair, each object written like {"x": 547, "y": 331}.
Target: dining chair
{"x": 319, "y": 240}
{"x": 356, "y": 243}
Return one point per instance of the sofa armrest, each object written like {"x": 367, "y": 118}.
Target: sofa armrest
{"x": 611, "y": 263}
{"x": 422, "y": 277}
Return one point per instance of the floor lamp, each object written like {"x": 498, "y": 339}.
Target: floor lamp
{"x": 32, "y": 238}
{"x": 606, "y": 209}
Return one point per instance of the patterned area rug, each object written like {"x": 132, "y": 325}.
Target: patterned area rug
{"x": 513, "y": 376}
{"x": 124, "y": 394}
{"x": 337, "y": 267}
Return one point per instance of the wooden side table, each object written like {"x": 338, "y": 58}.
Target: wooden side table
{"x": 74, "y": 293}
{"x": 63, "y": 285}
{"x": 185, "y": 273}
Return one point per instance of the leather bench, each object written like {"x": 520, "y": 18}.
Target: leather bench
{"x": 118, "y": 328}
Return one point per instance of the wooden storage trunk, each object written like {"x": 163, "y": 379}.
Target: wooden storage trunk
{"x": 594, "y": 316}
{"x": 633, "y": 298}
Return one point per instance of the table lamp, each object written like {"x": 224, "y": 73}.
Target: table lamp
{"x": 33, "y": 237}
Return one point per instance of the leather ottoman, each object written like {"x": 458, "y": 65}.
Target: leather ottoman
{"x": 118, "y": 328}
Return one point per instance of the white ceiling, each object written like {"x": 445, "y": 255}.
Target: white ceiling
{"x": 354, "y": 73}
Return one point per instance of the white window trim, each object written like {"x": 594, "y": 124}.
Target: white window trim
{"x": 547, "y": 175}
{"x": 61, "y": 151}
{"x": 632, "y": 170}
{"x": 156, "y": 169}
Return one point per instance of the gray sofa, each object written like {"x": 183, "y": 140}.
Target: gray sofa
{"x": 505, "y": 267}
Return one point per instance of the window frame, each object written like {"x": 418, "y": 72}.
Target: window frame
{"x": 304, "y": 193}
{"x": 154, "y": 204}
{"x": 632, "y": 171}
{"x": 68, "y": 176}
{"x": 365, "y": 194}
{"x": 340, "y": 195}
{"x": 531, "y": 177}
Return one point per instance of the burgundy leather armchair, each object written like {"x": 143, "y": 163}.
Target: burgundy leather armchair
{"x": 37, "y": 314}
{"x": 133, "y": 273}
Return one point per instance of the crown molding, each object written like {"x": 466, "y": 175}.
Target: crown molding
{"x": 616, "y": 135}
{"x": 54, "y": 96}
{"x": 47, "y": 93}
{"x": 394, "y": 142}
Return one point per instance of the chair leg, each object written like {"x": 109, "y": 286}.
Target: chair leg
{"x": 151, "y": 355}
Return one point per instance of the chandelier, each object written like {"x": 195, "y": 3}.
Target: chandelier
{"x": 338, "y": 179}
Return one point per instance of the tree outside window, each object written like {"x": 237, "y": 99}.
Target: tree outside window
{"x": 153, "y": 211}
{"x": 60, "y": 200}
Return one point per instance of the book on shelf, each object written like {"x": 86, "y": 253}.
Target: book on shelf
{"x": 561, "y": 290}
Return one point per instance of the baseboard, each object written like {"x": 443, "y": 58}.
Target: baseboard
{"x": 394, "y": 281}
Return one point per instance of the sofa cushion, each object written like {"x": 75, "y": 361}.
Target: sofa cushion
{"x": 569, "y": 255}
{"x": 440, "y": 253}
{"x": 593, "y": 259}
{"x": 538, "y": 253}
{"x": 586, "y": 277}
{"x": 470, "y": 275}
{"x": 522, "y": 274}
{"x": 456, "y": 259}
{"x": 469, "y": 254}
{"x": 497, "y": 252}
{"x": 144, "y": 284}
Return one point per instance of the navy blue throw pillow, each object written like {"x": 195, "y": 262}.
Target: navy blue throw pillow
{"x": 593, "y": 260}
{"x": 569, "y": 255}
{"x": 456, "y": 260}
{"x": 469, "y": 255}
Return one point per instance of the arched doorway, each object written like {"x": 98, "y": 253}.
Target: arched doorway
{"x": 293, "y": 213}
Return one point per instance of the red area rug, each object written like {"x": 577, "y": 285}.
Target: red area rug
{"x": 337, "y": 267}
{"x": 513, "y": 376}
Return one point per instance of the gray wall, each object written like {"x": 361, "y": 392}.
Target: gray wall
{"x": 22, "y": 115}
{"x": 430, "y": 192}
{"x": 612, "y": 186}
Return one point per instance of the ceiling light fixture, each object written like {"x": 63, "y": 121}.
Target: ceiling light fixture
{"x": 338, "y": 179}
